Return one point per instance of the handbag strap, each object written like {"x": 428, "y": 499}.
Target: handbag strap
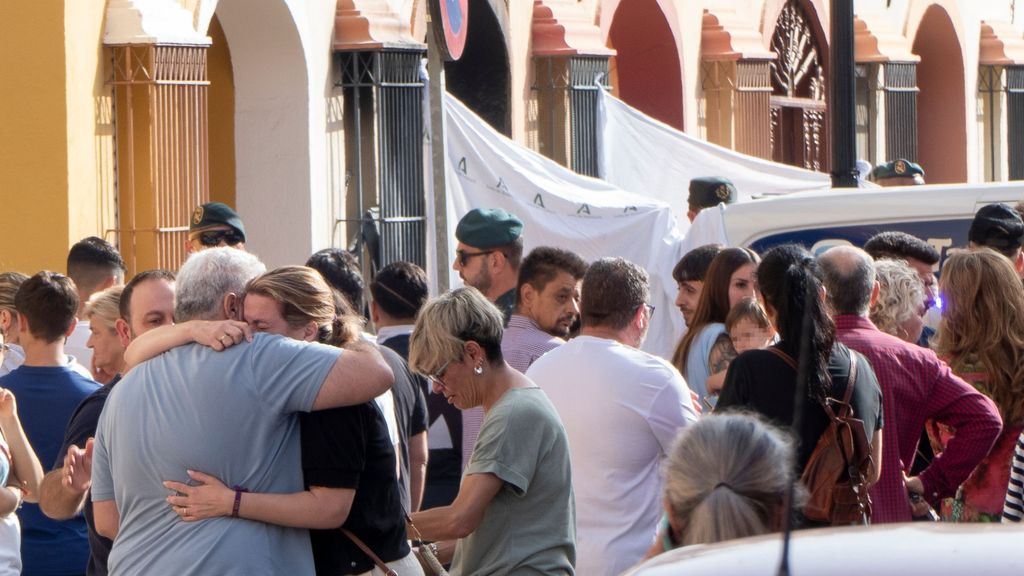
{"x": 785, "y": 357}
{"x": 366, "y": 550}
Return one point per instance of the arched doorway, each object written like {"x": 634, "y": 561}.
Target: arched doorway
{"x": 798, "y": 103}
{"x": 221, "y": 116}
{"x": 647, "y": 61}
{"x": 942, "y": 112}
{"x": 481, "y": 78}
{"x": 272, "y": 123}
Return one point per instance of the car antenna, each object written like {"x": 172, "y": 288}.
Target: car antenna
{"x": 799, "y": 403}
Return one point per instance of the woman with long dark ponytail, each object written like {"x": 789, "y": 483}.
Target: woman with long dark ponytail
{"x": 764, "y": 381}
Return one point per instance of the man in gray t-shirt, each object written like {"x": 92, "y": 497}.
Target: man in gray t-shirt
{"x": 230, "y": 414}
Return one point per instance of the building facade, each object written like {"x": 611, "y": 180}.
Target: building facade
{"x": 119, "y": 116}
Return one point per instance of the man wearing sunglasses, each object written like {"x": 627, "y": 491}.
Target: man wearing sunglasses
{"x": 488, "y": 255}
{"x": 487, "y": 258}
{"x": 214, "y": 224}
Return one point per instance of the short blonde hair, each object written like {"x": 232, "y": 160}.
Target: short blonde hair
{"x": 900, "y": 293}
{"x": 105, "y": 305}
{"x": 447, "y": 322}
{"x": 9, "y": 284}
{"x": 726, "y": 476}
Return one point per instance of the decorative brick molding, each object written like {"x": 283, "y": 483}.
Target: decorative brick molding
{"x": 372, "y": 25}
{"x": 722, "y": 40}
{"x": 564, "y": 28}
{"x": 875, "y": 41}
{"x": 1000, "y": 45}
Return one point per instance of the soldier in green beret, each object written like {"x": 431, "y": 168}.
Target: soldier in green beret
{"x": 899, "y": 172}
{"x": 488, "y": 255}
{"x": 709, "y": 191}
{"x": 214, "y": 224}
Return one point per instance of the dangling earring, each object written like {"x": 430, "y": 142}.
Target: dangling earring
{"x": 478, "y": 370}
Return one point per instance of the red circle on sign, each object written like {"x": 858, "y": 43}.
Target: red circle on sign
{"x": 454, "y": 16}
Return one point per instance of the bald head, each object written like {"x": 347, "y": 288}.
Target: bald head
{"x": 849, "y": 279}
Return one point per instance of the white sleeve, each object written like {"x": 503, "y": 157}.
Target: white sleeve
{"x": 671, "y": 409}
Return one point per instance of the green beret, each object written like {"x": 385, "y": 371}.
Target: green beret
{"x": 215, "y": 214}
{"x": 711, "y": 191}
{"x": 486, "y": 228}
{"x": 899, "y": 168}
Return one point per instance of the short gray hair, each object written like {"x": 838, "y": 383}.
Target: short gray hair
{"x": 447, "y": 322}
{"x": 613, "y": 289}
{"x": 849, "y": 279}
{"x": 210, "y": 275}
{"x": 900, "y": 294}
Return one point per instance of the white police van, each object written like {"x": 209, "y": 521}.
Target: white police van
{"x": 938, "y": 214}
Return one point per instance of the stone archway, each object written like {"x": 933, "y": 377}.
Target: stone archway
{"x": 646, "y": 64}
{"x": 272, "y": 127}
{"x": 942, "y": 112}
{"x": 481, "y": 79}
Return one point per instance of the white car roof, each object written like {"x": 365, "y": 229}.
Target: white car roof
{"x": 892, "y": 549}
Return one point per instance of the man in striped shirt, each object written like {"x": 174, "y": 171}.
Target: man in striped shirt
{"x": 916, "y": 386}
{"x": 547, "y": 305}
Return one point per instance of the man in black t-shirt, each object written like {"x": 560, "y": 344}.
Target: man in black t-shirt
{"x": 147, "y": 302}
{"x": 399, "y": 291}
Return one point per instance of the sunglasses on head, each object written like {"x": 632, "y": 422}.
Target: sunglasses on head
{"x": 214, "y": 237}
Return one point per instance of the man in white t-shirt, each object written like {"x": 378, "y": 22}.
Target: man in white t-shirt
{"x": 621, "y": 408}
{"x": 94, "y": 265}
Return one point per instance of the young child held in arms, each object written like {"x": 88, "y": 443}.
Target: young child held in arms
{"x": 746, "y": 328}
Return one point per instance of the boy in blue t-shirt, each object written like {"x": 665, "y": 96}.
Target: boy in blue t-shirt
{"x": 48, "y": 392}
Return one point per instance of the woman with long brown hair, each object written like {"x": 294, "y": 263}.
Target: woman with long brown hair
{"x": 981, "y": 336}
{"x": 731, "y": 277}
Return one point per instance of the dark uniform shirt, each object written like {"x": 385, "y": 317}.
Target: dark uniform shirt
{"x": 507, "y": 304}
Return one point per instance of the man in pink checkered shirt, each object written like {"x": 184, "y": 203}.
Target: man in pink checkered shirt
{"x": 547, "y": 305}
{"x": 916, "y": 386}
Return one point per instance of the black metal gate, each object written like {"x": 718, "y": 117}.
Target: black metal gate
{"x": 383, "y": 96}
{"x": 900, "y": 87}
{"x": 568, "y": 93}
{"x": 1015, "y": 119}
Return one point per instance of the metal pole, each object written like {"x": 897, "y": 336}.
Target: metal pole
{"x": 439, "y": 159}
{"x": 842, "y": 110}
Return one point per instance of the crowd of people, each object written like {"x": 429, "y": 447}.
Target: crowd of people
{"x": 227, "y": 419}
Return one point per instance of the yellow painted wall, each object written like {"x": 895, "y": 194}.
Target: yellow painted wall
{"x": 33, "y": 137}
{"x": 90, "y": 130}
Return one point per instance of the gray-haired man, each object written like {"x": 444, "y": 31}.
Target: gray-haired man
{"x": 229, "y": 413}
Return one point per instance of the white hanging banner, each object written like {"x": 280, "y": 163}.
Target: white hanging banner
{"x": 561, "y": 208}
{"x": 642, "y": 155}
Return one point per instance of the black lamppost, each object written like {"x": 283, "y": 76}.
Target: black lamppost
{"x": 842, "y": 105}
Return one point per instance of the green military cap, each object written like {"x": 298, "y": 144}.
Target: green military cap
{"x": 215, "y": 214}
{"x": 709, "y": 191}
{"x": 486, "y": 228}
{"x": 899, "y": 168}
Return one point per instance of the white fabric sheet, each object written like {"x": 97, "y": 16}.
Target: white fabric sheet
{"x": 642, "y": 155}
{"x": 561, "y": 208}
